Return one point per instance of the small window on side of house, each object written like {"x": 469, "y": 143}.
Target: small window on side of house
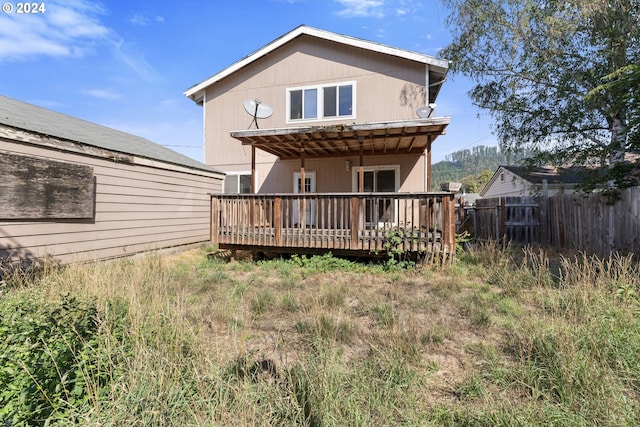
{"x": 237, "y": 183}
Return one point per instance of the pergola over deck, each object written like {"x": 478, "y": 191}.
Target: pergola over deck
{"x": 350, "y": 223}
{"x": 320, "y": 142}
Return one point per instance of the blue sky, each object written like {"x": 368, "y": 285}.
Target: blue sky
{"x": 126, "y": 64}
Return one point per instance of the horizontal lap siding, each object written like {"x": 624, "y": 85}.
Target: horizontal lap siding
{"x": 138, "y": 208}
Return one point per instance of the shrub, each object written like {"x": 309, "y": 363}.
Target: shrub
{"x": 51, "y": 361}
{"x": 43, "y": 357}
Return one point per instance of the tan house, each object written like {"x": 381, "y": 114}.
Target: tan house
{"x": 326, "y": 91}
{"x": 533, "y": 181}
{"x": 339, "y": 114}
{"x": 78, "y": 191}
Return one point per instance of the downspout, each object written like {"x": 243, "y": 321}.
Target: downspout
{"x": 426, "y": 158}
{"x": 204, "y": 127}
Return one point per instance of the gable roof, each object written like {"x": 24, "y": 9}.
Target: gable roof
{"x": 555, "y": 176}
{"x": 196, "y": 92}
{"x": 28, "y": 117}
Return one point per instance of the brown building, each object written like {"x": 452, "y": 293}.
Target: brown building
{"x": 78, "y": 191}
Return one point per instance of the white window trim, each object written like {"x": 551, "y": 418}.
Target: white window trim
{"x": 355, "y": 172}
{"x": 311, "y": 205}
{"x": 320, "y": 100}
{"x": 308, "y": 174}
{"x": 236, "y": 173}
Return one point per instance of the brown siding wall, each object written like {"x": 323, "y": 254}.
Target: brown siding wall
{"x": 387, "y": 89}
{"x": 138, "y": 208}
{"x": 332, "y": 176}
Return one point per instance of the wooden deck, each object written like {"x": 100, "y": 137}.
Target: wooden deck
{"x": 342, "y": 223}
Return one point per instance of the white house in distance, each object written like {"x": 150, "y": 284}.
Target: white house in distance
{"x": 328, "y": 104}
{"x": 533, "y": 181}
{"x": 77, "y": 191}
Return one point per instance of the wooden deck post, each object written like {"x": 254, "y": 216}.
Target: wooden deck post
{"x": 302, "y": 211}
{"x": 355, "y": 223}
{"x": 277, "y": 219}
{"x": 215, "y": 215}
{"x": 428, "y": 159}
{"x": 253, "y": 169}
{"x": 361, "y": 165}
{"x": 302, "y": 176}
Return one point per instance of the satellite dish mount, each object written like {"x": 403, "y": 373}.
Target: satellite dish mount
{"x": 258, "y": 110}
{"x": 426, "y": 111}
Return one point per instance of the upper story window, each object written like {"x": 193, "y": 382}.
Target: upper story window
{"x": 322, "y": 102}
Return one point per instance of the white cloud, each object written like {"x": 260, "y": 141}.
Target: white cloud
{"x": 68, "y": 28}
{"x": 135, "y": 60}
{"x": 107, "y": 94}
{"x": 378, "y": 8}
{"x": 65, "y": 29}
{"x": 362, "y": 8}
{"x": 138, "y": 19}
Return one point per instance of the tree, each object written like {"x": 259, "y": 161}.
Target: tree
{"x": 475, "y": 183}
{"x": 626, "y": 81}
{"x": 541, "y": 68}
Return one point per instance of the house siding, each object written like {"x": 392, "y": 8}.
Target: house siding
{"x": 137, "y": 208}
{"x": 515, "y": 185}
{"x": 332, "y": 176}
{"x": 512, "y": 185}
{"x": 387, "y": 88}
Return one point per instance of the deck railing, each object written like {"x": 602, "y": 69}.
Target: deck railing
{"x": 370, "y": 222}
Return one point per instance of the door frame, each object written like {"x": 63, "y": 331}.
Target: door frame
{"x": 354, "y": 175}
{"x": 396, "y": 168}
{"x": 309, "y": 206}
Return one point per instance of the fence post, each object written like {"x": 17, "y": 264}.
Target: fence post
{"x": 449, "y": 224}
{"x": 475, "y": 222}
{"x": 503, "y": 228}
{"x": 498, "y": 221}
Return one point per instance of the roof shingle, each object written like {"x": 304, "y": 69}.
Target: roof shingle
{"x": 21, "y": 115}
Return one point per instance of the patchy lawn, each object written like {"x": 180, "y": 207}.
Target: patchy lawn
{"x": 500, "y": 338}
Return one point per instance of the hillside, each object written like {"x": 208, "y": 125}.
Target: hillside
{"x": 473, "y": 167}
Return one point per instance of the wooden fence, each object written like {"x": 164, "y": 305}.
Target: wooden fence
{"x": 564, "y": 221}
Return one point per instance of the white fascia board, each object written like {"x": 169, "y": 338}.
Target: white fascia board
{"x": 436, "y": 64}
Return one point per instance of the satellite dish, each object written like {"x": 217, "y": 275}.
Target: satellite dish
{"x": 257, "y": 109}
{"x": 425, "y": 112}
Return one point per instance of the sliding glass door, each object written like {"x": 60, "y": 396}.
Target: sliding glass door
{"x": 379, "y": 179}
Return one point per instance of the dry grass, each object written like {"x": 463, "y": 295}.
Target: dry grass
{"x": 511, "y": 337}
